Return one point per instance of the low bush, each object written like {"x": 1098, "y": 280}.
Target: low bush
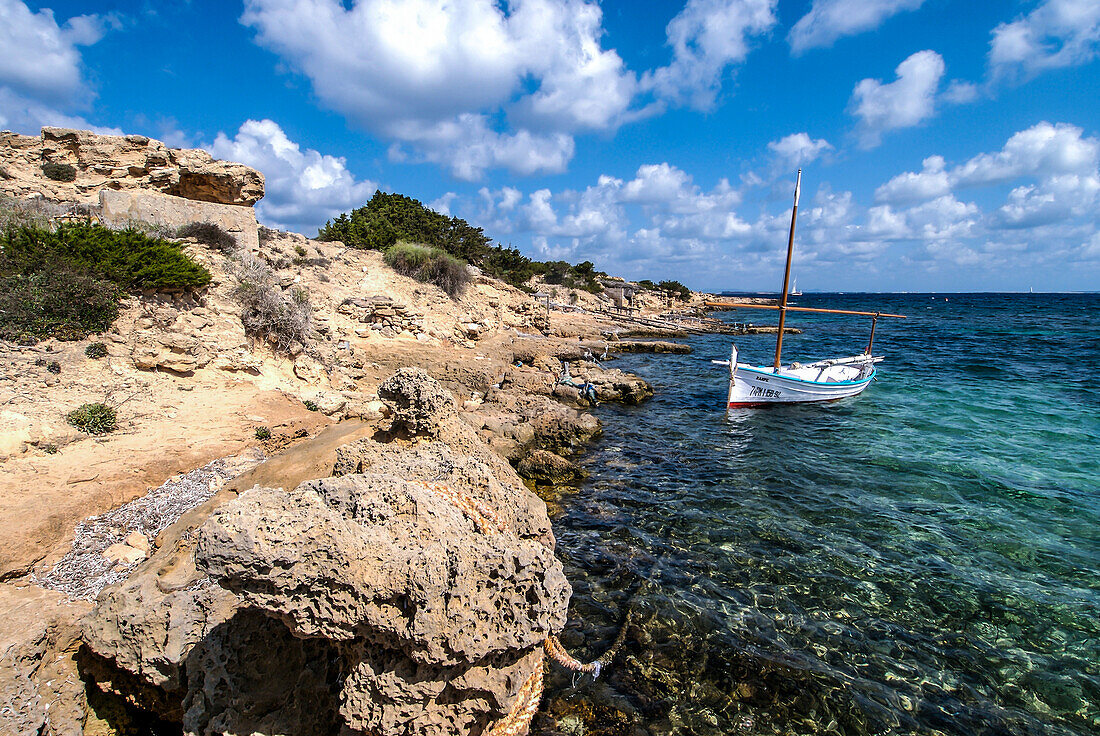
{"x": 267, "y": 234}
{"x": 676, "y": 289}
{"x": 430, "y": 265}
{"x": 282, "y": 319}
{"x": 67, "y": 283}
{"x": 208, "y": 233}
{"x": 311, "y": 405}
{"x": 95, "y": 418}
{"x": 263, "y": 433}
{"x": 62, "y": 302}
{"x": 129, "y": 258}
{"x": 35, "y": 212}
{"x": 59, "y": 172}
{"x": 53, "y": 367}
{"x": 96, "y": 350}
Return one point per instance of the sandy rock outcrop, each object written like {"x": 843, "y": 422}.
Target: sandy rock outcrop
{"x": 173, "y": 351}
{"x": 379, "y": 600}
{"x": 73, "y": 165}
{"x": 40, "y": 690}
{"x": 420, "y": 405}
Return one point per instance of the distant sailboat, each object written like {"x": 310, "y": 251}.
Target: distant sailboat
{"x": 794, "y": 289}
{"x": 796, "y": 383}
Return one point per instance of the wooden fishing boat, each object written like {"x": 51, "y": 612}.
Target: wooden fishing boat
{"x": 797, "y": 383}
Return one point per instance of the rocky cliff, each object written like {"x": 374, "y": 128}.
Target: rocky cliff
{"x": 74, "y": 165}
{"x": 303, "y": 538}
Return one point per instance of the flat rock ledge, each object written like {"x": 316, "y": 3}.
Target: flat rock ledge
{"x": 373, "y": 601}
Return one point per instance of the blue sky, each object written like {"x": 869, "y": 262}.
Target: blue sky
{"x": 947, "y": 145}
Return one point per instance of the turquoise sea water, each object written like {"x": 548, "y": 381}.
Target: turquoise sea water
{"x": 924, "y": 558}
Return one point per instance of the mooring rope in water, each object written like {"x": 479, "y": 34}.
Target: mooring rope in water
{"x": 527, "y": 701}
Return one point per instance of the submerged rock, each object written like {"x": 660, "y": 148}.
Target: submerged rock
{"x": 547, "y": 467}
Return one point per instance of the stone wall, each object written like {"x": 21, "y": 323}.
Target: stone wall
{"x": 383, "y": 315}
{"x": 117, "y": 209}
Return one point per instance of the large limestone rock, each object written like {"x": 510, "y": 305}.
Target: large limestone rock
{"x": 408, "y": 594}
{"x": 93, "y": 162}
{"x": 173, "y": 351}
{"x": 419, "y": 403}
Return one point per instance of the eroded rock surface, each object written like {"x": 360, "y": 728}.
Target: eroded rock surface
{"x": 375, "y": 601}
{"x": 73, "y": 165}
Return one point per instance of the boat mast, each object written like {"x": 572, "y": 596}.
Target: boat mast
{"x": 787, "y": 274}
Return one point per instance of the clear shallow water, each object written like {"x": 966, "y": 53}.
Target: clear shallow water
{"x": 924, "y": 558}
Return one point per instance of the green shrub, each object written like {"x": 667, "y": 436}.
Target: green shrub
{"x": 311, "y": 405}
{"x": 96, "y": 350}
{"x": 430, "y": 265}
{"x": 50, "y": 449}
{"x": 59, "y": 172}
{"x": 129, "y": 258}
{"x": 676, "y": 289}
{"x": 63, "y": 302}
{"x": 96, "y": 418}
{"x": 389, "y": 218}
{"x": 208, "y": 233}
{"x": 53, "y": 367}
{"x": 66, "y": 283}
{"x": 300, "y": 250}
{"x": 263, "y": 433}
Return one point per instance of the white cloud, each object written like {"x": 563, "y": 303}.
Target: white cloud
{"x": 829, "y": 20}
{"x": 443, "y": 76}
{"x": 960, "y": 92}
{"x": 40, "y": 68}
{"x": 1053, "y": 200}
{"x": 798, "y": 149}
{"x": 468, "y": 146}
{"x": 939, "y": 219}
{"x": 1042, "y": 150}
{"x": 902, "y": 103}
{"x": 28, "y": 116}
{"x": 932, "y": 181}
{"x": 304, "y": 189}
{"x": 707, "y": 37}
{"x": 1057, "y": 33}
{"x": 1055, "y": 171}
{"x": 40, "y": 58}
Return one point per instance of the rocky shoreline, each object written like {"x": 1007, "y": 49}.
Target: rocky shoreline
{"x": 334, "y": 541}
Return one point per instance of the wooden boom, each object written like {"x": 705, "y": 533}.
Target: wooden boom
{"x": 743, "y": 305}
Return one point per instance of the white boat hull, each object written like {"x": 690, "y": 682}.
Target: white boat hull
{"x": 828, "y": 380}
